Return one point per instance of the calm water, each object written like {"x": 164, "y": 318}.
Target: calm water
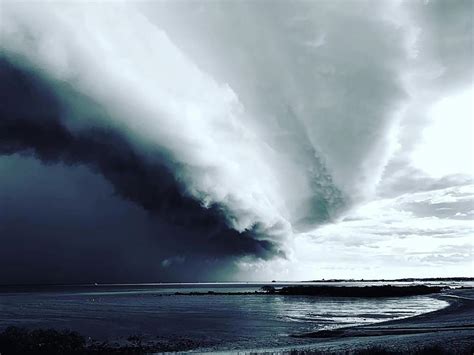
{"x": 223, "y": 322}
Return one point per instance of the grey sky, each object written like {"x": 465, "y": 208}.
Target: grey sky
{"x": 236, "y": 140}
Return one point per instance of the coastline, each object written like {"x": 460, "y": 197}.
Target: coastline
{"x": 450, "y": 330}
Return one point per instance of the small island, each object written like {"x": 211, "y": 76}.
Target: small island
{"x": 331, "y": 291}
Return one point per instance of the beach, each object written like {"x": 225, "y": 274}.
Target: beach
{"x": 234, "y": 319}
{"x": 449, "y": 330}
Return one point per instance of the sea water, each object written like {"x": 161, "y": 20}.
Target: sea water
{"x": 154, "y": 311}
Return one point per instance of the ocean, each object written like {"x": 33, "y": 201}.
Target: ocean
{"x": 153, "y": 311}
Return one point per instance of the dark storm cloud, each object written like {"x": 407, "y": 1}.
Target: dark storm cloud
{"x": 31, "y": 125}
{"x": 62, "y": 224}
{"x": 255, "y": 98}
{"x": 233, "y": 126}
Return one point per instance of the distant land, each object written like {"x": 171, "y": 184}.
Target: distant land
{"x": 330, "y": 291}
{"x": 410, "y": 279}
{"x": 151, "y": 283}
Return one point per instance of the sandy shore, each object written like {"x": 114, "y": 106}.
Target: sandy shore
{"x": 447, "y": 331}
{"x": 450, "y": 329}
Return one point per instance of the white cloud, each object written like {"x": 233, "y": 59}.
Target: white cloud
{"x": 388, "y": 239}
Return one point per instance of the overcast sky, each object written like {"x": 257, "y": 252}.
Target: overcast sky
{"x": 236, "y": 140}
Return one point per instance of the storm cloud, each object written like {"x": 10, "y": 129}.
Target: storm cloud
{"x": 228, "y": 128}
{"x": 31, "y": 126}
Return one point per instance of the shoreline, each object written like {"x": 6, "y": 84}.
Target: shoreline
{"x": 451, "y": 327}
{"x": 449, "y": 330}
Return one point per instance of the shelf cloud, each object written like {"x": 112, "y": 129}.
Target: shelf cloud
{"x": 238, "y": 125}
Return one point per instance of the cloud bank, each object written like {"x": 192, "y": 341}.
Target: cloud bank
{"x": 240, "y": 123}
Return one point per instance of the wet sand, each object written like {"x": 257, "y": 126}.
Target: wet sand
{"x": 450, "y": 329}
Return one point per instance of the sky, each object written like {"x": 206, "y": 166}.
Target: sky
{"x": 238, "y": 140}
